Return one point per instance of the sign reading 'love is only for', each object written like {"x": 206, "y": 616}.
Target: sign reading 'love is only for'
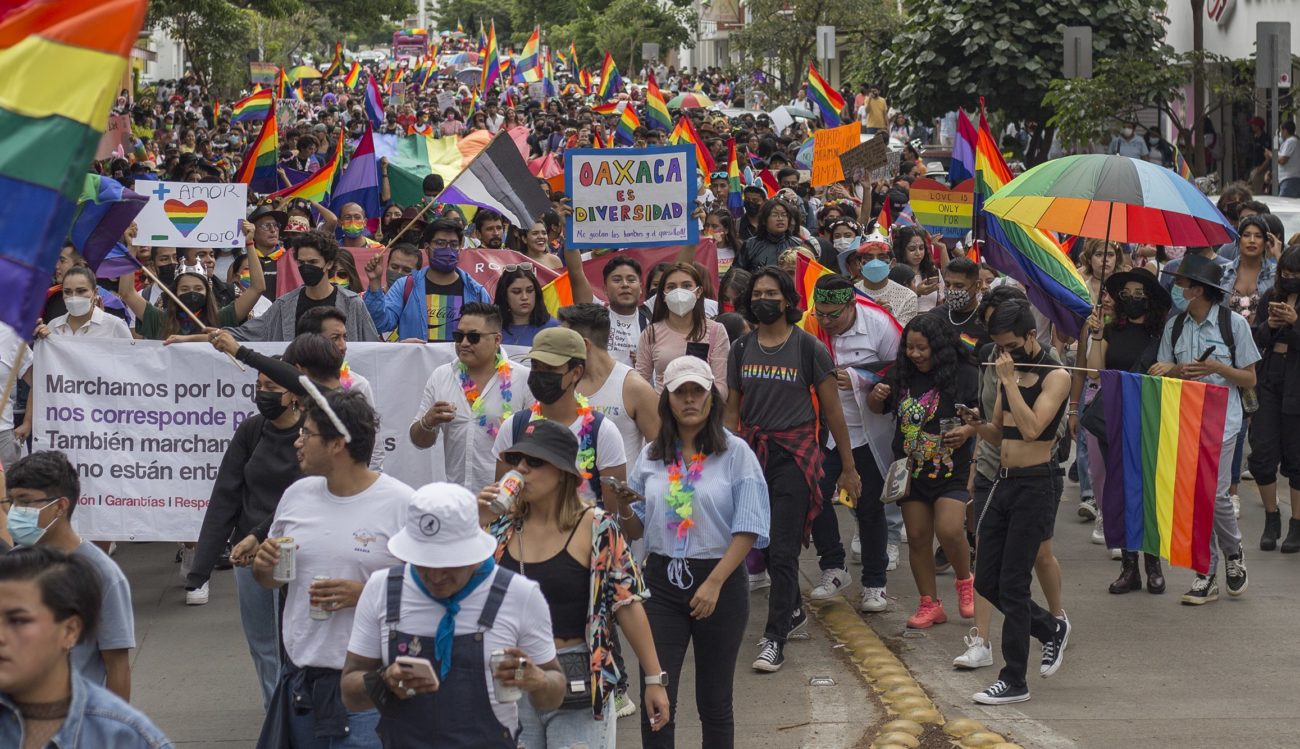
{"x": 192, "y": 214}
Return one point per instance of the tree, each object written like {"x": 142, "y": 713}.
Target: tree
{"x": 950, "y": 54}
{"x": 626, "y": 24}
{"x": 470, "y": 12}
{"x": 786, "y": 33}
{"x": 216, "y": 38}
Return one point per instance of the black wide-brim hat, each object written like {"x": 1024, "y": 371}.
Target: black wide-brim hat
{"x": 1158, "y": 295}
{"x": 1200, "y": 269}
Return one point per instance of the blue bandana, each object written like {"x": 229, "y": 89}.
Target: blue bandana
{"x": 447, "y": 625}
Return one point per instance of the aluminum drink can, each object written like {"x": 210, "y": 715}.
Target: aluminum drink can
{"x": 502, "y": 692}
{"x": 317, "y": 611}
{"x": 285, "y": 569}
{"x": 511, "y": 486}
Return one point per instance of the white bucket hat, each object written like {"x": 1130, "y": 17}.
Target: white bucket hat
{"x": 442, "y": 529}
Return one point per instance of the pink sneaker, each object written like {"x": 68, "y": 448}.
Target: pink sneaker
{"x": 966, "y": 597}
{"x": 928, "y": 614}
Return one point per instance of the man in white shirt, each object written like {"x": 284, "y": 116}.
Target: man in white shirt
{"x": 628, "y": 317}
{"x": 84, "y": 317}
{"x": 11, "y": 346}
{"x": 1288, "y": 163}
{"x": 449, "y": 607}
{"x": 469, "y": 429}
{"x": 340, "y": 517}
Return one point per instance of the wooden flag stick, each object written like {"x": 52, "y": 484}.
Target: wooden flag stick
{"x": 181, "y": 306}
{"x": 1046, "y": 366}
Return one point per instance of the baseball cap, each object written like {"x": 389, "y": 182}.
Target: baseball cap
{"x": 686, "y": 369}
{"x": 556, "y": 346}
{"x": 550, "y": 442}
{"x": 442, "y": 529}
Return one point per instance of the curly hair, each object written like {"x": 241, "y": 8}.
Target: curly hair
{"x": 945, "y": 353}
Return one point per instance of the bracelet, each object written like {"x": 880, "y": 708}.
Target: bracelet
{"x": 425, "y": 425}
{"x": 1071, "y": 413}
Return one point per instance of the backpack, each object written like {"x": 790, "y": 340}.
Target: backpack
{"x": 518, "y": 425}
{"x": 1225, "y": 330}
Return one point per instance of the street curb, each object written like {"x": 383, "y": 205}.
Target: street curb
{"x": 903, "y": 697}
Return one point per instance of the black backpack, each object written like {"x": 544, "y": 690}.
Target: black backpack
{"x": 519, "y": 422}
{"x": 1225, "y": 330}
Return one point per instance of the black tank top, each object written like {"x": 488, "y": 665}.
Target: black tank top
{"x": 566, "y": 586}
{"x": 1030, "y": 395}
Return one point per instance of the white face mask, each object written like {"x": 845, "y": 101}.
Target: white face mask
{"x": 680, "y": 301}
{"x": 78, "y": 305}
{"x": 842, "y": 244}
{"x": 1128, "y": 132}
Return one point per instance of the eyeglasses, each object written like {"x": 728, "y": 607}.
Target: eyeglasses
{"x": 829, "y": 315}
{"x": 473, "y": 336}
{"x": 443, "y": 244}
{"x": 40, "y": 502}
{"x": 512, "y": 459}
{"x": 525, "y": 267}
{"x": 306, "y": 435}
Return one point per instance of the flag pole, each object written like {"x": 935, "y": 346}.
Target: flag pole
{"x": 1047, "y": 366}
{"x": 181, "y": 306}
{"x": 12, "y": 380}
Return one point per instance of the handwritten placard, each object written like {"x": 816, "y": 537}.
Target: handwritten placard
{"x": 631, "y": 197}
{"x": 828, "y": 144}
{"x": 192, "y": 214}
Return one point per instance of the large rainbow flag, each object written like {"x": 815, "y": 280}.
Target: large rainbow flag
{"x": 610, "y": 80}
{"x": 252, "y": 108}
{"x": 805, "y": 279}
{"x": 1030, "y": 255}
{"x": 259, "y": 168}
{"x": 320, "y": 185}
{"x": 828, "y": 99}
{"x": 530, "y": 60}
{"x": 1162, "y": 465}
{"x": 353, "y": 76}
{"x": 656, "y": 110}
{"x": 336, "y": 67}
{"x": 62, "y": 62}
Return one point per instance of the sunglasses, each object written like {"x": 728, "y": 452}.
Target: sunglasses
{"x": 512, "y": 459}
{"x": 473, "y": 336}
{"x": 525, "y": 267}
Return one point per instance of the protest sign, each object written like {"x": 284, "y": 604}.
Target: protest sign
{"x": 630, "y": 197}
{"x": 446, "y": 100}
{"x": 942, "y": 210}
{"x": 147, "y": 425}
{"x": 192, "y": 214}
{"x": 117, "y": 140}
{"x": 858, "y": 162}
{"x": 828, "y": 144}
{"x": 262, "y": 72}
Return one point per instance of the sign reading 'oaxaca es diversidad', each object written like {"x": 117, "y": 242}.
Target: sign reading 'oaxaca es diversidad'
{"x": 631, "y": 197}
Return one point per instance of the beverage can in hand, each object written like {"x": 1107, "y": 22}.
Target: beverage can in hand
{"x": 510, "y": 487}
{"x": 316, "y": 610}
{"x": 501, "y": 692}
{"x": 285, "y": 569}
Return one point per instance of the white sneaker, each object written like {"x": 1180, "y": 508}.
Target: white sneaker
{"x": 979, "y": 653}
{"x": 1236, "y": 506}
{"x": 891, "y": 551}
{"x": 197, "y": 597}
{"x": 833, "y": 581}
{"x": 856, "y": 548}
{"x": 187, "y": 561}
{"x": 759, "y": 581}
{"x": 1098, "y": 535}
{"x": 1116, "y": 553}
{"x": 873, "y": 600}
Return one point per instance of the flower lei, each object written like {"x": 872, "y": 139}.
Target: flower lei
{"x": 681, "y": 492}
{"x": 477, "y": 404}
{"x": 345, "y": 376}
{"x": 586, "y": 440}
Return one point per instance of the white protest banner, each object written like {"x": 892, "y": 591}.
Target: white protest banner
{"x": 631, "y": 197}
{"x": 147, "y": 425}
{"x": 446, "y": 100}
{"x": 192, "y": 214}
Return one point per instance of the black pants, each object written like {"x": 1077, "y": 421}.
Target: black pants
{"x": 716, "y": 640}
{"x": 1016, "y": 520}
{"x": 1274, "y": 436}
{"x": 788, "y": 493}
{"x": 872, "y": 526}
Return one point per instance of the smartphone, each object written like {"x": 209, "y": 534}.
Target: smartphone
{"x": 421, "y": 667}
{"x": 962, "y": 408}
{"x": 698, "y": 349}
{"x": 1205, "y": 355}
{"x": 614, "y": 485}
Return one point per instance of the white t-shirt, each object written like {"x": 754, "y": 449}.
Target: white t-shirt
{"x": 468, "y": 449}
{"x": 340, "y": 537}
{"x": 624, "y": 332}
{"x": 9, "y": 343}
{"x": 1290, "y": 149}
{"x": 609, "y": 449}
{"x": 524, "y": 622}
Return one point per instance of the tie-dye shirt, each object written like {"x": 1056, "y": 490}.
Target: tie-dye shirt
{"x": 444, "y": 303}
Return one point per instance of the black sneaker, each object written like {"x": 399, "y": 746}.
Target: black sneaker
{"x": 941, "y": 563}
{"x": 1054, "y": 649}
{"x": 770, "y": 656}
{"x": 1235, "y": 573}
{"x": 1001, "y": 693}
{"x": 1203, "y": 590}
{"x": 798, "y": 622}
{"x": 1073, "y": 473}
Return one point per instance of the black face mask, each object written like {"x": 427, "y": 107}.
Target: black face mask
{"x": 392, "y": 227}
{"x": 311, "y": 274}
{"x": 393, "y": 276}
{"x": 751, "y": 209}
{"x": 767, "y": 311}
{"x": 1020, "y": 355}
{"x": 167, "y": 273}
{"x": 1133, "y": 307}
{"x": 269, "y": 404}
{"x": 547, "y": 387}
{"x": 193, "y": 300}
{"x": 1289, "y": 285}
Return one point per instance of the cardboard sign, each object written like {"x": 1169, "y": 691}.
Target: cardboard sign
{"x": 942, "y": 210}
{"x": 446, "y": 100}
{"x": 193, "y": 214}
{"x": 631, "y": 197}
{"x": 117, "y": 140}
{"x": 828, "y": 144}
{"x": 859, "y": 162}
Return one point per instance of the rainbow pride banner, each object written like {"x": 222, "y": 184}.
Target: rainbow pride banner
{"x": 1162, "y": 465}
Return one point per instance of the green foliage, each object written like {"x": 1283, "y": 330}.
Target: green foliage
{"x": 471, "y": 12}
{"x": 785, "y": 34}
{"x": 215, "y": 35}
{"x": 950, "y": 54}
{"x": 626, "y": 24}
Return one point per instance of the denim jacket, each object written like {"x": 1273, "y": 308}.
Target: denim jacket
{"x": 96, "y": 719}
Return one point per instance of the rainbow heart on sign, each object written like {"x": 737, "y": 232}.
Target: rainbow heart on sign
{"x": 186, "y": 217}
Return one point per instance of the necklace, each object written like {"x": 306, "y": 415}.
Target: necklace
{"x": 45, "y": 710}
{"x": 963, "y": 322}
{"x": 477, "y": 400}
{"x": 586, "y": 440}
{"x": 777, "y": 350}
{"x": 681, "y": 492}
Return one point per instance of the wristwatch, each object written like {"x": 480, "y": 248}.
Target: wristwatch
{"x": 658, "y": 681}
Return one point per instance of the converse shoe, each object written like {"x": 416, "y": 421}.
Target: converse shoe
{"x": 833, "y": 581}
{"x": 965, "y": 597}
{"x": 928, "y": 613}
{"x": 1088, "y": 509}
{"x": 873, "y": 601}
{"x": 1203, "y": 590}
{"x": 798, "y": 623}
{"x": 770, "y": 656}
{"x": 1098, "y": 535}
{"x": 759, "y": 581}
{"x": 1236, "y": 506}
{"x": 624, "y": 707}
{"x": 979, "y": 653}
{"x": 1054, "y": 649}
{"x": 196, "y": 596}
{"x": 855, "y": 548}
{"x": 891, "y": 553}
{"x": 1235, "y": 573}
{"x": 1001, "y": 693}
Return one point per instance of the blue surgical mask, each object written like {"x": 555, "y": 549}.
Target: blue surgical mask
{"x": 875, "y": 271}
{"x": 25, "y": 524}
{"x": 1180, "y": 301}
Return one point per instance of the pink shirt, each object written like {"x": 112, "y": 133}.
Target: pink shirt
{"x": 660, "y": 344}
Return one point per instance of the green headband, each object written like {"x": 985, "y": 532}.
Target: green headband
{"x": 833, "y": 296}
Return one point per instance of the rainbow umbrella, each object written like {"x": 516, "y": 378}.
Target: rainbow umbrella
{"x": 690, "y": 100}
{"x": 303, "y": 71}
{"x": 1115, "y": 198}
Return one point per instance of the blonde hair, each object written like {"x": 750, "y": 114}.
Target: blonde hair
{"x": 1092, "y": 247}
{"x": 572, "y": 506}
{"x": 788, "y": 260}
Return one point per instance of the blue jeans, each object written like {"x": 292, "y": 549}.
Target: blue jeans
{"x": 257, "y": 612}
{"x": 361, "y": 732}
{"x": 1082, "y": 458}
{"x": 1289, "y": 188}
{"x": 894, "y": 523}
{"x": 561, "y": 729}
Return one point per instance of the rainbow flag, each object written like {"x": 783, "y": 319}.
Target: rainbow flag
{"x": 735, "y": 192}
{"x": 1031, "y": 256}
{"x": 1182, "y": 167}
{"x": 884, "y": 220}
{"x": 530, "y": 61}
{"x": 573, "y": 60}
{"x": 610, "y": 80}
{"x": 828, "y": 99}
{"x": 460, "y": 29}
{"x": 336, "y": 67}
{"x": 279, "y": 83}
{"x": 548, "y": 78}
{"x": 558, "y": 293}
{"x": 598, "y": 140}
{"x": 685, "y": 133}
{"x": 609, "y": 107}
{"x": 318, "y": 186}
{"x": 216, "y": 111}
{"x": 490, "y": 60}
{"x": 1163, "y": 445}
{"x": 353, "y": 76}
{"x": 262, "y": 73}
{"x": 805, "y": 278}
{"x": 656, "y": 110}
{"x": 295, "y": 92}
{"x": 252, "y": 108}
{"x": 584, "y": 77}
{"x": 259, "y": 168}
{"x": 625, "y": 133}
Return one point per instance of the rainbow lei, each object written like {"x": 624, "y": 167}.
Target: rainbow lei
{"x": 681, "y": 493}
{"x": 586, "y": 440}
{"x": 345, "y": 376}
{"x": 477, "y": 404}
